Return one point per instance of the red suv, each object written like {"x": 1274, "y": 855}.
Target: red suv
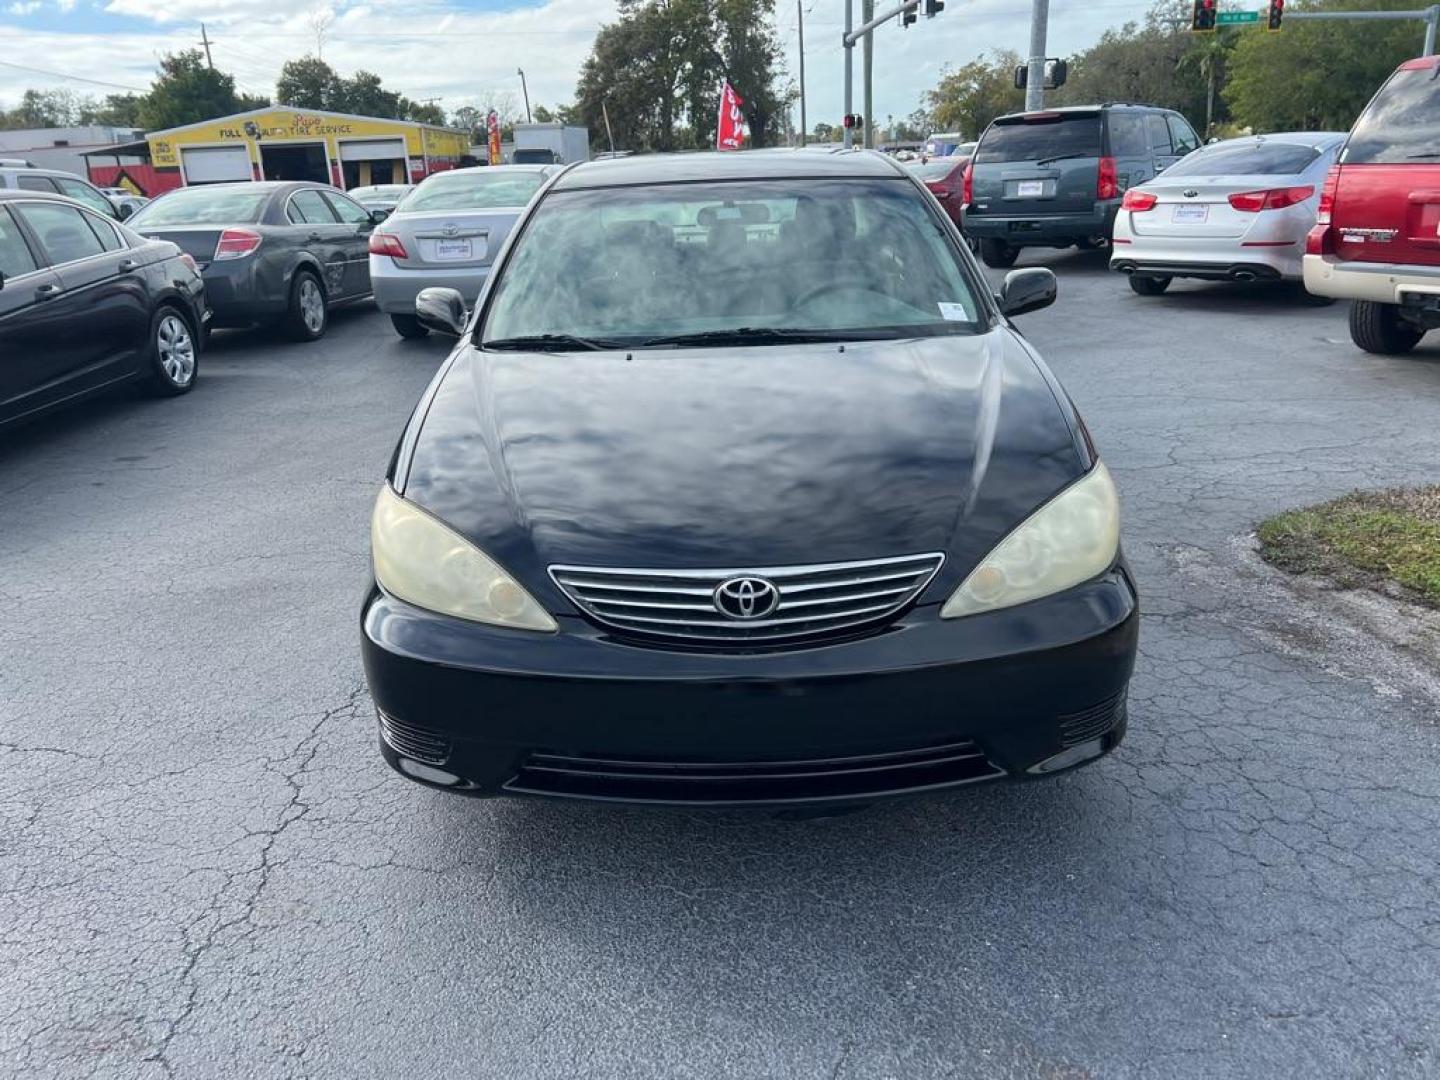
{"x": 1377, "y": 236}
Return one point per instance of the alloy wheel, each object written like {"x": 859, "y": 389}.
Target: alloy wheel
{"x": 312, "y": 306}
{"x": 176, "y": 349}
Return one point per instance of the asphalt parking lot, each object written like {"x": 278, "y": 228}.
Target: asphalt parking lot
{"x": 207, "y": 871}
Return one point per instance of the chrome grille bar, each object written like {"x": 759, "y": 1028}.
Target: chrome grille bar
{"x": 818, "y": 601}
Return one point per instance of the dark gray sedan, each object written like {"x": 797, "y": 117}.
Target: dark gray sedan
{"x": 270, "y": 252}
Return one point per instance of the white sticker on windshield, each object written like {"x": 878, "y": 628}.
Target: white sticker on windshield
{"x": 953, "y": 312}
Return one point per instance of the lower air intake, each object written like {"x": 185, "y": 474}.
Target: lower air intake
{"x": 414, "y": 742}
{"x": 713, "y": 782}
{"x": 1091, "y": 723}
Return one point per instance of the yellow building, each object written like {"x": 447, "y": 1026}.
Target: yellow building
{"x": 282, "y": 143}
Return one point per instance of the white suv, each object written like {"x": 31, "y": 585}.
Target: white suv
{"x": 21, "y": 175}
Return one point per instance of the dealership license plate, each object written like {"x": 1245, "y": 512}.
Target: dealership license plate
{"x": 1029, "y": 189}
{"x": 452, "y": 249}
{"x": 1193, "y": 215}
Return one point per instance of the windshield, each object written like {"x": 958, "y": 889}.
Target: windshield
{"x": 202, "y": 206}
{"x": 857, "y": 258}
{"x": 482, "y": 189}
{"x": 1246, "y": 159}
{"x": 1045, "y": 135}
{"x": 1400, "y": 124}
{"x": 936, "y": 169}
{"x": 379, "y": 191}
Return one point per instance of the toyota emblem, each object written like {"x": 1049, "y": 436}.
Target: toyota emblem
{"x": 746, "y": 597}
{"x": 451, "y": 229}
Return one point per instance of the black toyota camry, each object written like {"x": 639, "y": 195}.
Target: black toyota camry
{"x": 740, "y": 488}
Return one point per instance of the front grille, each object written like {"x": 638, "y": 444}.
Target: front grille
{"x": 413, "y": 742}
{"x": 823, "y": 600}
{"x": 1091, "y": 723}
{"x": 653, "y": 780}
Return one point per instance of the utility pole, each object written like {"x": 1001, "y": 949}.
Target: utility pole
{"x": 867, "y": 139}
{"x": 525, "y": 90}
{"x": 205, "y": 40}
{"x": 849, "y": 72}
{"x": 609, "y": 135}
{"x": 862, "y": 32}
{"x": 1035, "y": 80}
{"x": 800, "y": 22}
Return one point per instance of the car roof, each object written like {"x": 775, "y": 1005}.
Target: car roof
{"x": 14, "y": 194}
{"x": 536, "y": 167}
{"x": 725, "y": 165}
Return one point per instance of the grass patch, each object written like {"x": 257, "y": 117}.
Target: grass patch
{"x": 1363, "y": 539}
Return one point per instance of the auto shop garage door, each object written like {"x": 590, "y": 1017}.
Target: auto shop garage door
{"x": 215, "y": 164}
{"x": 373, "y": 161}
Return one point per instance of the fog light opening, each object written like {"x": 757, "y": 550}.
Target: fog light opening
{"x": 431, "y": 775}
{"x": 1066, "y": 758}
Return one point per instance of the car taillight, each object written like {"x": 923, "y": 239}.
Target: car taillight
{"x": 1320, "y": 241}
{"x": 383, "y": 243}
{"x": 189, "y": 260}
{"x": 1138, "y": 201}
{"x": 236, "y": 244}
{"x": 1107, "y": 186}
{"x": 1327, "y": 196}
{"x": 1252, "y": 202}
{"x": 967, "y": 185}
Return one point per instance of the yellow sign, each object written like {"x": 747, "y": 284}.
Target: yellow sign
{"x": 297, "y": 125}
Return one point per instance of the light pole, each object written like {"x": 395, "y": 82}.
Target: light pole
{"x": 525, "y": 92}
{"x": 800, "y": 25}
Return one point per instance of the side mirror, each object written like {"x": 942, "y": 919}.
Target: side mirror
{"x": 1025, "y": 290}
{"x": 442, "y": 310}
{"x": 124, "y": 210}
{"x": 377, "y": 216}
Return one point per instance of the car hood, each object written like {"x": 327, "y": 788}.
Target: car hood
{"x": 734, "y": 458}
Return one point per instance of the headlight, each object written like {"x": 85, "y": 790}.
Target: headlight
{"x": 1070, "y": 539}
{"x": 429, "y": 565}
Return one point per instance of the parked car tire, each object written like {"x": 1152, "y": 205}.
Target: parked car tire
{"x": 1149, "y": 286}
{"x": 1378, "y": 328}
{"x": 308, "y": 315}
{"x": 998, "y": 254}
{"x": 408, "y": 326}
{"x": 174, "y": 353}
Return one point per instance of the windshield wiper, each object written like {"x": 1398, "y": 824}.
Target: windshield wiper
{"x": 549, "y": 343}
{"x": 754, "y": 335}
{"x": 1059, "y": 157}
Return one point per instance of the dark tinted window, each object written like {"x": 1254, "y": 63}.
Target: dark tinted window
{"x": 202, "y": 206}
{"x": 35, "y": 183}
{"x": 62, "y": 231}
{"x": 1158, "y": 133}
{"x": 309, "y": 207}
{"x": 346, "y": 210}
{"x": 1182, "y": 135}
{"x": 104, "y": 232}
{"x": 83, "y": 192}
{"x": 15, "y": 257}
{"x": 1402, "y": 123}
{"x": 1049, "y": 136}
{"x": 1246, "y": 159}
{"x": 1127, "y": 135}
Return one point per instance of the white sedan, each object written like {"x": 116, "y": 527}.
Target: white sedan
{"x": 1230, "y": 211}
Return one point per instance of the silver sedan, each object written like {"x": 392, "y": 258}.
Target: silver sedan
{"x": 446, "y": 233}
{"x": 1230, "y": 211}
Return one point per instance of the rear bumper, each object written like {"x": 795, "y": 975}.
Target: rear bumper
{"x": 395, "y": 287}
{"x": 1384, "y": 283}
{"x": 1040, "y": 230}
{"x": 928, "y": 704}
{"x": 1211, "y": 259}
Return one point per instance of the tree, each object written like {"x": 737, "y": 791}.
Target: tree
{"x": 1316, "y": 76}
{"x": 423, "y": 113}
{"x": 658, "y": 68}
{"x": 187, "y": 91}
{"x": 826, "y": 133}
{"x": 118, "y": 110}
{"x": 364, "y": 95}
{"x": 1208, "y": 58}
{"x": 309, "y": 83}
{"x": 543, "y": 115}
{"x": 45, "y": 109}
{"x": 968, "y": 98}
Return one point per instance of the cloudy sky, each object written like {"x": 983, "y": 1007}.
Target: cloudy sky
{"x": 467, "y": 51}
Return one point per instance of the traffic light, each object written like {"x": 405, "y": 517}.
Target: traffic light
{"x": 1203, "y": 19}
{"x": 933, "y": 8}
{"x": 1276, "y": 13}
{"x": 909, "y": 17}
{"x": 851, "y": 120}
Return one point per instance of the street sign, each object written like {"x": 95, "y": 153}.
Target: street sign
{"x": 1231, "y": 18}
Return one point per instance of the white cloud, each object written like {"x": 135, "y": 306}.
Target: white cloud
{"x": 23, "y": 7}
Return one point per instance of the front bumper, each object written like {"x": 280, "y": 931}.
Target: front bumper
{"x": 926, "y": 704}
{"x": 397, "y": 287}
{"x": 1040, "y": 230}
{"x": 1384, "y": 283}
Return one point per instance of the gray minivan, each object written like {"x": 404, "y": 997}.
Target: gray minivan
{"x": 1055, "y": 178}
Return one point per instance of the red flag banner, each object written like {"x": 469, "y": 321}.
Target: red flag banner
{"x": 730, "y": 131}
{"x": 492, "y": 126}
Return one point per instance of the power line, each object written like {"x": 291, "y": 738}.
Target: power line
{"x": 71, "y": 78}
